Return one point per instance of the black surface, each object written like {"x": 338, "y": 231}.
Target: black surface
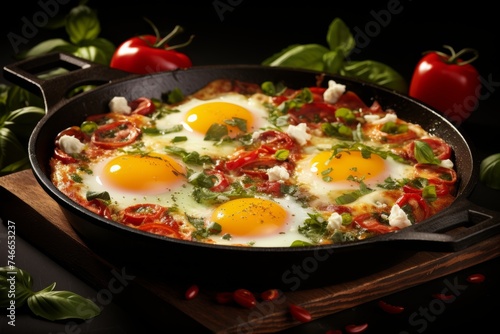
{"x": 249, "y": 32}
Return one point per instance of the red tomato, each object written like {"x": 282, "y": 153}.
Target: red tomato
{"x": 447, "y": 83}
{"x": 149, "y": 54}
{"x": 160, "y": 229}
{"x": 143, "y": 213}
{"x": 116, "y": 134}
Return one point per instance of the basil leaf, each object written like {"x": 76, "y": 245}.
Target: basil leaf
{"x": 424, "y": 153}
{"x": 333, "y": 61}
{"x": 11, "y": 150}
{"x": 44, "y": 47}
{"x": 82, "y": 24}
{"x": 339, "y": 37}
{"x": 22, "y": 281}
{"x": 308, "y": 56}
{"x": 58, "y": 305}
{"x": 375, "y": 72}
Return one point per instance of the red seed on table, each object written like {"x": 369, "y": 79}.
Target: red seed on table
{"x": 270, "y": 294}
{"x": 333, "y": 331}
{"x": 476, "y": 278}
{"x": 442, "y": 296}
{"x": 299, "y": 313}
{"x": 389, "y": 308}
{"x": 353, "y": 329}
{"x": 192, "y": 292}
{"x": 244, "y": 298}
{"x": 224, "y": 297}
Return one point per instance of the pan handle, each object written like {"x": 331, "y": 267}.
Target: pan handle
{"x": 28, "y": 74}
{"x": 465, "y": 225}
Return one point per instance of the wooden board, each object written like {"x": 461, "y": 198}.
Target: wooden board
{"x": 39, "y": 220}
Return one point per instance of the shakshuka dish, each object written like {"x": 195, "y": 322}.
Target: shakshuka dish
{"x": 255, "y": 165}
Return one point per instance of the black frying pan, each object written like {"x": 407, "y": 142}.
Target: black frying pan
{"x": 455, "y": 228}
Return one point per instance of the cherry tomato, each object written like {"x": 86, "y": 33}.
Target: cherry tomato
{"x": 149, "y": 54}
{"x": 370, "y": 223}
{"x": 447, "y": 83}
{"x": 160, "y": 229}
{"x": 143, "y": 213}
{"x": 142, "y": 106}
{"x": 116, "y": 134}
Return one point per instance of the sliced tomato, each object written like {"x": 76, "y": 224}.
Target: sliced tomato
{"x": 444, "y": 175}
{"x": 441, "y": 188}
{"x": 73, "y": 131}
{"x": 421, "y": 209}
{"x": 98, "y": 207}
{"x": 116, "y": 134}
{"x": 275, "y": 140}
{"x": 441, "y": 149}
{"x": 371, "y": 224}
{"x": 142, "y": 106}
{"x": 160, "y": 229}
{"x": 143, "y": 213}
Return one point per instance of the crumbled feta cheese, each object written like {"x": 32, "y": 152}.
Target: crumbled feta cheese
{"x": 333, "y": 92}
{"x": 398, "y": 217}
{"x": 334, "y": 221}
{"x": 299, "y": 133}
{"x": 278, "y": 173}
{"x": 375, "y": 119}
{"x": 119, "y": 104}
{"x": 70, "y": 144}
{"x": 447, "y": 163}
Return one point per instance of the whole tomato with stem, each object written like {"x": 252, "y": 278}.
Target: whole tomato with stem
{"x": 147, "y": 54}
{"x": 448, "y": 83}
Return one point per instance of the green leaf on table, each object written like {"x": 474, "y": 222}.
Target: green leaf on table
{"x": 23, "y": 283}
{"x": 58, "y": 305}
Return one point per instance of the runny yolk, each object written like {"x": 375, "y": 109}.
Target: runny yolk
{"x": 203, "y": 116}
{"x": 143, "y": 174}
{"x": 338, "y": 168}
{"x": 250, "y": 217}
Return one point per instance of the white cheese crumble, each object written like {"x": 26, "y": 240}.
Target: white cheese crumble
{"x": 447, "y": 163}
{"x": 70, "y": 144}
{"x": 333, "y": 92}
{"x": 278, "y": 173}
{"x": 334, "y": 221}
{"x": 398, "y": 218}
{"x": 375, "y": 119}
{"x": 119, "y": 104}
{"x": 299, "y": 133}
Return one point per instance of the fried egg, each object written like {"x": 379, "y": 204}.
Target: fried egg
{"x": 259, "y": 222}
{"x": 327, "y": 175}
{"x": 238, "y": 113}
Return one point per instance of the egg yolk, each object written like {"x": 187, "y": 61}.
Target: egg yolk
{"x": 250, "y": 217}
{"x": 145, "y": 174}
{"x": 203, "y": 116}
{"x": 335, "y": 168}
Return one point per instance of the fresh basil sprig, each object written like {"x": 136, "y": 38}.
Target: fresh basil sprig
{"x": 83, "y": 28}
{"x": 46, "y": 303}
{"x": 334, "y": 59}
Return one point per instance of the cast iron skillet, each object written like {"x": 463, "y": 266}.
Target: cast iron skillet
{"x": 455, "y": 228}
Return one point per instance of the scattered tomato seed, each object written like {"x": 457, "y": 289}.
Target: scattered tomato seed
{"x": 192, "y": 292}
{"x": 299, "y": 313}
{"x": 333, "y": 331}
{"x": 442, "y": 296}
{"x": 244, "y": 298}
{"x": 476, "y": 278}
{"x": 270, "y": 294}
{"x": 389, "y": 308}
{"x": 224, "y": 297}
{"x": 353, "y": 329}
